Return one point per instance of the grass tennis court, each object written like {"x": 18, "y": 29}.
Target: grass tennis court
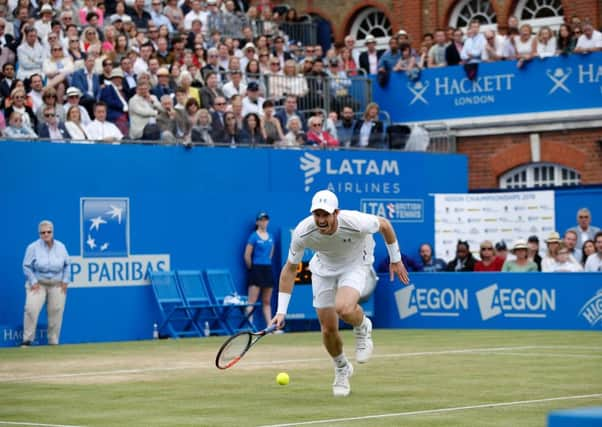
{"x": 416, "y": 378}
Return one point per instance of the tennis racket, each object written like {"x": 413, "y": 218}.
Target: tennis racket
{"x": 237, "y": 346}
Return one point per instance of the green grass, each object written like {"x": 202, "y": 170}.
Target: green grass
{"x": 174, "y": 382}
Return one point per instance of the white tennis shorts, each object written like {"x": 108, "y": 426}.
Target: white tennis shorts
{"x": 324, "y": 288}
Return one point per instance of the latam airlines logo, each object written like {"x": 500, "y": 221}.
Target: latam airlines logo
{"x": 592, "y": 309}
{"x": 531, "y": 303}
{"x": 446, "y": 302}
{"x": 346, "y": 171}
{"x": 105, "y": 247}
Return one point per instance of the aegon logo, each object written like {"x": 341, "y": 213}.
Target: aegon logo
{"x": 592, "y": 309}
{"x": 517, "y": 302}
{"x": 430, "y": 302}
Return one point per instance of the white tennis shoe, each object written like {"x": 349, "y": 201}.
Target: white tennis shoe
{"x": 363, "y": 341}
{"x": 341, "y": 386}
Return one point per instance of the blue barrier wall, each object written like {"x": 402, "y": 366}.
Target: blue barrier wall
{"x": 183, "y": 209}
{"x": 492, "y": 301}
{"x": 553, "y": 84}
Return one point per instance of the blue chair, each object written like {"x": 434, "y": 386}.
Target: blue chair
{"x": 177, "y": 318}
{"x": 196, "y": 296}
{"x": 236, "y": 317}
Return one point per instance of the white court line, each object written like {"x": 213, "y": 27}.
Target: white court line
{"x": 437, "y": 411}
{"x": 15, "y": 423}
{"x": 271, "y": 363}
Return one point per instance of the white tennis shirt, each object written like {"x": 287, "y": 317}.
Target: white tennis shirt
{"x": 351, "y": 244}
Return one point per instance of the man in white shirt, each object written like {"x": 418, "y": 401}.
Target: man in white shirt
{"x": 37, "y": 86}
{"x": 594, "y": 261}
{"x": 196, "y": 12}
{"x": 474, "y": 45}
{"x": 252, "y": 103}
{"x": 342, "y": 275}
{"x": 100, "y": 129}
{"x": 235, "y": 86}
{"x": 494, "y": 47}
{"x": 31, "y": 55}
{"x": 589, "y": 41}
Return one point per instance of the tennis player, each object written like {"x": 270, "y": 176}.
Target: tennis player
{"x": 342, "y": 275}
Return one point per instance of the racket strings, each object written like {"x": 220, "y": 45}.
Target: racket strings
{"x": 234, "y": 348}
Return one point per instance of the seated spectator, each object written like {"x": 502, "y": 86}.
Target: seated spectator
{"x": 8, "y": 76}
{"x": 211, "y": 90}
{"x": 533, "y": 255}
{"x": 589, "y": 41}
{"x": 17, "y": 129}
{"x": 570, "y": 242}
{"x": 185, "y": 81}
{"x": 453, "y": 50}
{"x": 317, "y": 137}
{"x": 73, "y": 96}
{"x": 594, "y": 261}
{"x": 340, "y": 86}
{"x": 251, "y": 132}
{"x": 553, "y": 243}
{"x": 370, "y": 130}
{"x": 589, "y": 247}
{"x": 428, "y": 262}
{"x": 58, "y": 70}
{"x": 521, "y": 264}
{"x": 114, "y": 97}
{"x": 88, "y": 82}
{"x": 167, "y": 120}
{"x": 407, "y": 62}
{"x": 464, "y": 261}
{"x": 347, "y": 128}
{"x": 30, "y": 54}
{"x": 436, "y": 54}
{"x": 252, "y": 103}
{"x": 235, "y": 86}
{"x": 270, "y": 125}
{"x": 564, "y": 262}
{"x": 52, "y": 128}
{"x": 74, "y": 124}
{"x": 488, "y": 262}
{"x": 584, "y": 229}
{"x": 143, "y": 110}
{"x": 348, "y": 64}
{"x": 231, "y": 133}
{"x": 501, "y": 250}
{"x": 295, "y": 137}
{"x": 17, "y": 98}
{"x": 100, "y": 129}
{"x": 192, "y": 112}
{"x": 163, "y": 87}
{"x": 36, "y": 84}
{"x": 368, "y": 60}
{"x": 290, "y": 109}
{"x": 565, "y": 42}
{"x": 202, "y": 132}
{"x": 49, "y": 99}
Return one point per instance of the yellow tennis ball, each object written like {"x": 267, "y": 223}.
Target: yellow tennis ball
{"x": 282, "y": 378}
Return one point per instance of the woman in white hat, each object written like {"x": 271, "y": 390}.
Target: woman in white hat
{"x": 553, "y": 244}
{"x": 521, "y": 264}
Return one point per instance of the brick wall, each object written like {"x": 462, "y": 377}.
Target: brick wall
{"x": 491, "y": 156}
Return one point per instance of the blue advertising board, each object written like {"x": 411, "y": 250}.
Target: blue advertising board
{"x": 492, "y": 301}
{"x": 559, "y": 83}
{"x": 125, "y": 210}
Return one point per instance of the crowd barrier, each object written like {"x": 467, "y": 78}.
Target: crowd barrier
{"x": 561, "y": 83}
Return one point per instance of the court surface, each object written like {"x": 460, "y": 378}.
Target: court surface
{"x": 416, "y": 378}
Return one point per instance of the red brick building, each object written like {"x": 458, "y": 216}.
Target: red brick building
{"x": 517, "y": 154}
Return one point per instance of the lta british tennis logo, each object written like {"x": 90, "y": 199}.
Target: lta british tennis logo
{"x": 105, "y": 247}
{"x": 592, "y": 309}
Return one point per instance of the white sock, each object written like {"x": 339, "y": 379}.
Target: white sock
{"x": 340, "y": 361}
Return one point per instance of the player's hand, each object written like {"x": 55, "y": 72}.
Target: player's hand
{"x": 278, "y": 320}
{"x": 35, "y": 287}
{"x": 64, "y": 287}
{"x": 399, "y": 270}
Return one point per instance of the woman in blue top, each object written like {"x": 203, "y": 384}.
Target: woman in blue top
{"x": 258, "y": 258}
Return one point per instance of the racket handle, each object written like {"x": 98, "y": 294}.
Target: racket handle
{"x": 270, "y": 329}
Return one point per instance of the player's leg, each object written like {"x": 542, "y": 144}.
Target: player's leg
{"x": 352, "y": 285}
{"x": 323, "y": 289}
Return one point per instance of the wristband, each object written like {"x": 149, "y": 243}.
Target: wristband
{"x": 394, "y": 252}
{"x": 283, "y": 300}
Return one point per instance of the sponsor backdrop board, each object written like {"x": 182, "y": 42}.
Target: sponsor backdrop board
{"x": 125, "y": 210}
{"x": 560, "y": 83}
{"x": 492, "y": 301}
{"x": 491, "y": 216}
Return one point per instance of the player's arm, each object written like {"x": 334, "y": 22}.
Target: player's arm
{"x": 285, "y": 290}
{"x": 396, "y": 267}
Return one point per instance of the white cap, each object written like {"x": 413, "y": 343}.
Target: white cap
{"x": 369, "y": 39}
{"x": 325, "y": 200}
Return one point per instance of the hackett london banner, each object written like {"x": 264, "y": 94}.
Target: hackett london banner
{"x": 560, "y": 83}
{"x": 491, "y": 216}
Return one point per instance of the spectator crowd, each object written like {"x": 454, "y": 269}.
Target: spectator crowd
{"x": 217, "y": 71}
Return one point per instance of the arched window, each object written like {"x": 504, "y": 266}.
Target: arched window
{"x": 538, "y": 13}
{"x": 539, "y": 175}
{"x": 371, "y": 21}
{"x": 467, "y": 10}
